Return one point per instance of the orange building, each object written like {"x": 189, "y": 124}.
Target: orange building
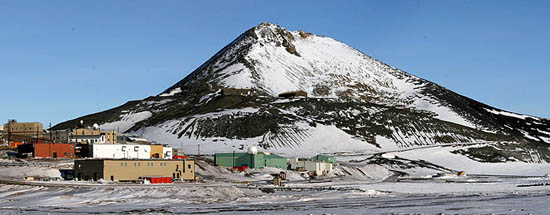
{"x": 54, "y": 150}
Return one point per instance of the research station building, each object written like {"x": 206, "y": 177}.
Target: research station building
{"x": 250, "y": 160}
{"x": 133, "y": 169}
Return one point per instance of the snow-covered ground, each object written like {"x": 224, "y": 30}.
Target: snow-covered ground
{"x": 349, "y": 189}
{"x": 378, "y": 198}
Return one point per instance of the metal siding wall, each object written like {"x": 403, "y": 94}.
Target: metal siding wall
{"x": 242, "y": 160}
{"x": 280, "y": 163}
{"x": 224, "y": 159}
{"x": 129, "y": 172}
{"x": 258, "y": 160}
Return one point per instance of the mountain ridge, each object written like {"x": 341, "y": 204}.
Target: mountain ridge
{"x": 366, "y": 103}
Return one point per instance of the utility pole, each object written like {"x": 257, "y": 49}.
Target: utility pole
{"x": 181, "y": 148}
{"x": 9, "y": 131}
{"x": 76, "y": 131}
{"x": 50, "y": 131}
{"x": 37, "y": 128}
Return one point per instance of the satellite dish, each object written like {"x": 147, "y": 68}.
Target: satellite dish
{"x": 81, "y": 122}
{"x": 252, "y": 150}
{"x": 96, "y": 126}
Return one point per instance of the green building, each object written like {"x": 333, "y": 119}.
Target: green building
{"x": 324, "y": 158}
{"x": 254, "y": 161}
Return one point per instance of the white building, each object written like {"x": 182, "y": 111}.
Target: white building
{"x": 89, "y": 139}
{"x": 319, "y": 167}
{"x": 120, "y": 151}
{"x": 167, "y": 152}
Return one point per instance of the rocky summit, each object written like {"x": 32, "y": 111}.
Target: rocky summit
{"x": 301, "y": 94}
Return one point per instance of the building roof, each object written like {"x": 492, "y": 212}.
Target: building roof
{"x": 122, "y": 144}
{"x": 56, "y": 143}
{"x": 15, "y": 123}
{"x": 129, "y": 159}
{"x": 86, "y": 136}
{"x": 274, "y": 157}
{"x": 270, "y": 156}
{"x": 324, "y": 157}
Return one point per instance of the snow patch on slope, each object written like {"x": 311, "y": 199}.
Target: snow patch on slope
{"x": 126, "y": 121}
{"x": 443, "y": 113}
{"x": 442, "y": 156}
{"x": 326, "y": 139}
{"x": 505, "y": 113}
{"x": 322, "y": 139}
{"x": 172, "y": 93}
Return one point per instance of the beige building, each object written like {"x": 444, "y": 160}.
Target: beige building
{"x": 73, "y": 135}
{"x": 132, "y": 169}
{"x": 317, "y": 167}
{"x": 29, "y": 129}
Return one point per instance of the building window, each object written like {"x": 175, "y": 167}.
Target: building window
{"x": 125, "y": 164}
{"x": 135, "y": 164}
{"x": 139, "y": 164}
{"x": 121, "y": 164}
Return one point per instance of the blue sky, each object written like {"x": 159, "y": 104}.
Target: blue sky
{"x": 64, "y": 59}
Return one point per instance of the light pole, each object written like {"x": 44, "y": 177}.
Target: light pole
{"x": 76, "y": 131}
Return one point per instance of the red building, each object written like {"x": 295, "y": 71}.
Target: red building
{"x": 54, "y": 150}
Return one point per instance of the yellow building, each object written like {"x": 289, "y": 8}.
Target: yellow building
{"x": 29, "y": 129}
{"x": 66, "y": 135}
{"x": 133, "y": 169}
{"x": 156, "y": 151}
{"x": 110, "y": 136}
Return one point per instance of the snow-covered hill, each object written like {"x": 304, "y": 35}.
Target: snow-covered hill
{"x": 355, "y": 104}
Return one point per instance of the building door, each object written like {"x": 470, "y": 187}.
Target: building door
{"x": 112, "y": 178}
{"x": 55, "y": 155}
